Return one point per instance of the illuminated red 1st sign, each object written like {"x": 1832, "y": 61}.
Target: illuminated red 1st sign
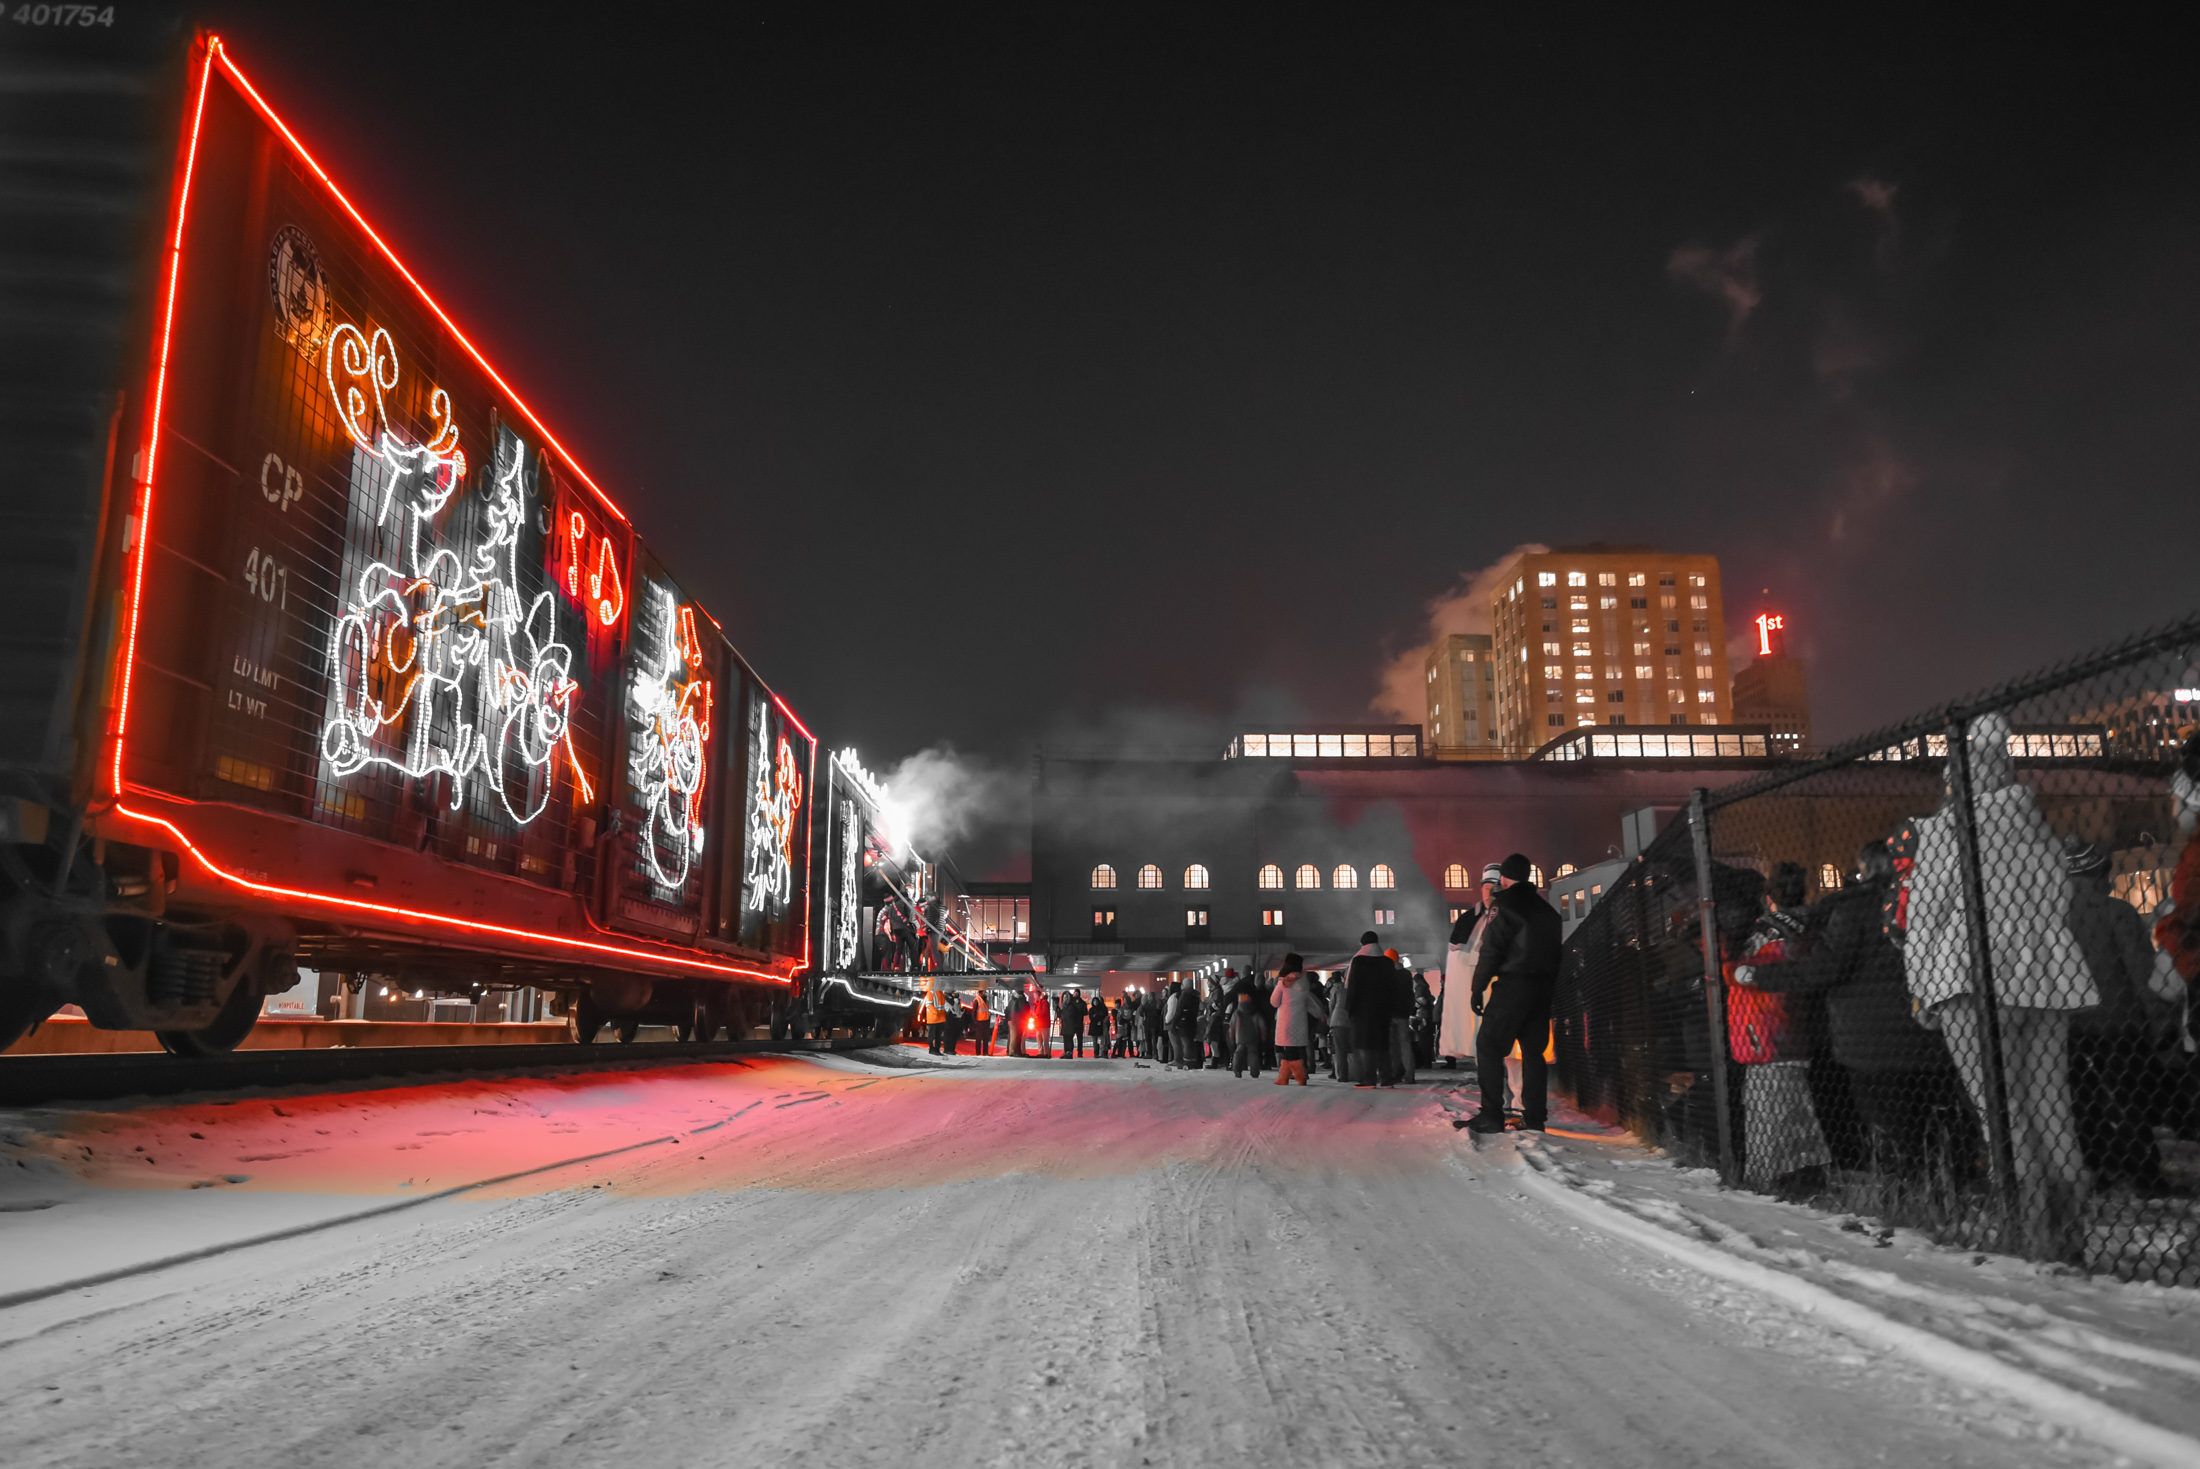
{"x": 1767, "y": 625}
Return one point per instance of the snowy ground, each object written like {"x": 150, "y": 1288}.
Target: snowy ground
{"x": 831, "y": 1261}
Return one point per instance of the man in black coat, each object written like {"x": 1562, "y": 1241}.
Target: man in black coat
{"x": 1069, "y": 1013}
{"x": 1520, "y": 952}
{"x": 1370, "y": 985}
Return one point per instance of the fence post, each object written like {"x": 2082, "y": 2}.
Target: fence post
{"x": 1982, "y": 971}
{"x": 1714, "y": 983}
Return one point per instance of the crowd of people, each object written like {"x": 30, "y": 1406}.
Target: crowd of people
{"x": 1371, "y": 1022}
{"x": 1863, "y": 1027}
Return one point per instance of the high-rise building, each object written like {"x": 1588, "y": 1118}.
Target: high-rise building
{"x": 1462, "y": 698}
{"x": 1604, "y": 634}
{"x": 1771, "y": 689}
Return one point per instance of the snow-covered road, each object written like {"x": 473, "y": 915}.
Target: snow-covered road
{"x": 1005, "y": 1262}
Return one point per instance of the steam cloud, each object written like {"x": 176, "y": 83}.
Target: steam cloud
{"x": 1729, "y": 274}
{"x": 1403, "y": 696}
{"x": 944, "y": 796}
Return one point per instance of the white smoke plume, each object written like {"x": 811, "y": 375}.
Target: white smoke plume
{"x": 942, "y": 796}
{"x": 1403, "y": 695}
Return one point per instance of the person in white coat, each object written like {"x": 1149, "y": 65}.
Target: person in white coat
{"x": 1456, "y": 1019}
{"x": 2039, "y": 977}
{"x": 1298, "y": 1005}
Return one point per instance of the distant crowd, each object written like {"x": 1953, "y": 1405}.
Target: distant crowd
{"x": 1370, "y": 1022}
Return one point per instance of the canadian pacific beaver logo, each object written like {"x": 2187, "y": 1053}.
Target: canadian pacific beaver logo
{"x": 294, "y": 279}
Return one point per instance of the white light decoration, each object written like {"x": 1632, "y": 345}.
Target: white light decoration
{"x": 445, "y": 640}
{"x": 848, "y": 900}
{"x": 768, "y": 872}
{"x": 672, "y": 711}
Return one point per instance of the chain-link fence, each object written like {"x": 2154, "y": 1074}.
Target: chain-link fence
{"x": 1948, "y": 974}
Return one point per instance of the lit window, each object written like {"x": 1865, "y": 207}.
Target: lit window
{"x": 1344, "y": 877}
{"x": 1195, "y": 877}
{"x": 1566, "y": 869}
{"x": 1636, "y": 579}
{"x": 1455, "y": 876}
{"x": 1582, "y": 671}
{"x": 1585, "y": 696}
{"x": 1695, "y": 579}
{"x": 1271, "y": 918}
{"x": 1703, "y": 650}
{"x": 1581, "y": 650}
{"x": 1699, "y": 601}
{"x": 1308, "y": 877}
{"x": 1535, "y": 875}
{"x": 1331, "y": 746}
{"x": 1580, "y": 626}
{"x": 1614, "y": 671}
{"x": 1585, "y": 720}
{"x": 1552, "y": 650}
{"x": 1706, "y": 696}
{"x": 1554, "y": 696}
{"x": 1103, "y": 923}
{"x": 1271, "y": 876}
{"x": 1673, "y": 670}
{"x": 1703, "y": 670}
{"x": 1710, "y": 719}
{"x": 1380, "y": 876}
{"x": 1385, "y": 915}
{"x": 1829, "y": 876}
{"x": 1357, "y": 744}
{"x": 1554, "y": 670}
{"x": 1576, "y": 579}
{"x": 1303, "y": 746}
{"x": 1679, "y": 696}
{"x": 1577, "y": 604}
{"x": 1195, "y": 917}
{"x": 1645, "y": 670}
{"x": 1103, "y": 876}
{"x": 1378, "y": 746}
{"x": 1669, "y": 603}
{"x": 1607, "y": 579}
{"x": 1405, "y": 747}
{"x": 1607, "y": 603}
{"x": 1149, "y": 876}
{"x": 1546, "y": 578}
{"x": 1256, "y": 744}
{"x": 1642, "y": 650}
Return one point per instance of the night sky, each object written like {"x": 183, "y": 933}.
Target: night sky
{"x": 994, "y": 374}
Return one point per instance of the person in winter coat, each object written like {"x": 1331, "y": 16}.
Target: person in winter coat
{"x": 978, "y": 1020}
{"x": 1457, "y": 1020}
{"x": 1340, "y": 1028}
{"x": 1069, "y": 1013}
{"x": 2119, "y": 1090}
{"x": 1401, "y": 1019}
{"x": 2039, "y": 977}
{"x": 1424, "y": 1022}
{"x": 1216, "y": 1015}
{"x": 1039, "y": 1021}
{"x": 1520, "y": 952}
{"x": 1899, "y": 1073}
{"x": 1298, "y": 1005}
{"x": 1370, "y": 981}
{"x": 1781, "y": 1135}
{"x": 1096, "y": 1025}
{"x": 1171, "y": 1008}
{"x": 933, "y": 1013}
{"x": 1245, "y": 1005}
{"x": 2177, "y": 925}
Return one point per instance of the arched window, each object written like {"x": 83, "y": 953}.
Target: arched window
{"x": 1535, "y": 876}
{"x": 1149, "y": 876}
{"x": 1455, "y": 876}
{"x": 1566, "y": 869}
{"x": 1195, "y": 876}
{"x": 1344, "y": 877}
{"x": 1271, "y": 876}
{"x": 1380, "y": 876}
{"x": 1103, "y": 877}
{"x": 1309, "y": 876}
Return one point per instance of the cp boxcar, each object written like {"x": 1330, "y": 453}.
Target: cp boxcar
{"x": 322, "y": 649}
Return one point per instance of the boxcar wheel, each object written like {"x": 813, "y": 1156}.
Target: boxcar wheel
{"x": 628, "y": 1029}
{"x": 239, "y": 1013}
{"x": 587, "y": 1021}
{"x": 702, "y": 1028}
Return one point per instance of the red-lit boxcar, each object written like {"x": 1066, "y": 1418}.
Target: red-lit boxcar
{"x": 322, "y": 648}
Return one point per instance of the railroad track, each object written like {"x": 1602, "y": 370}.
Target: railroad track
{"x": 34, "y": 1080}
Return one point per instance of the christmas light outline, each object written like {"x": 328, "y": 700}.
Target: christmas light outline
{"x": 139, "y": 533}
{"x": 669, "y": 758}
